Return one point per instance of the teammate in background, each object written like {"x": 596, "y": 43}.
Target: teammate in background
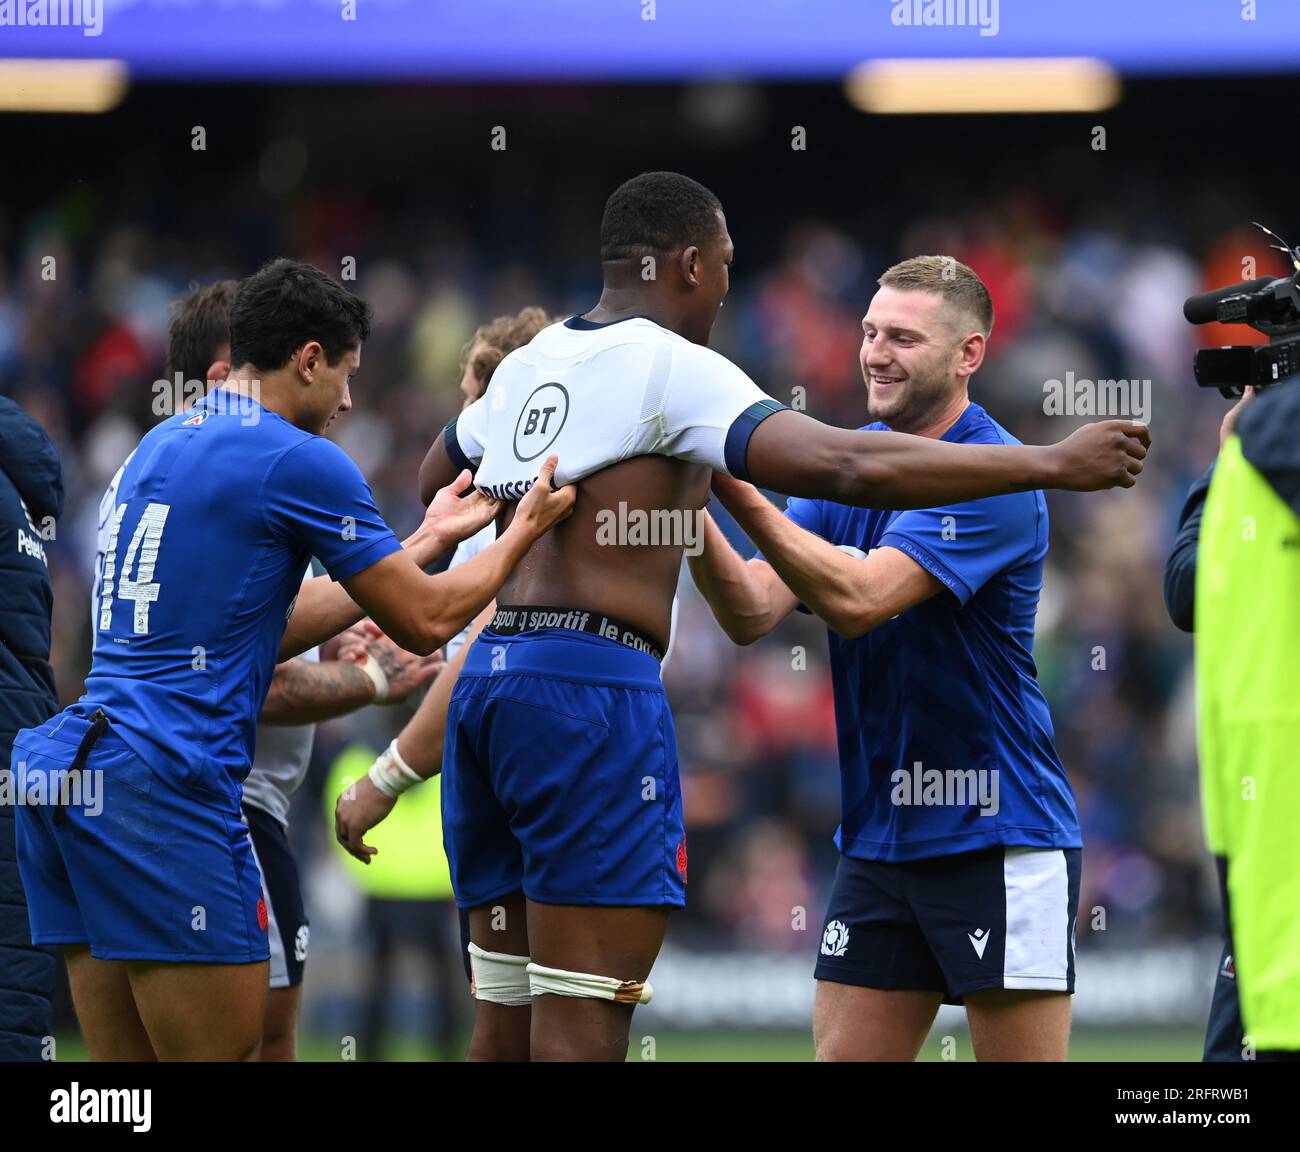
{"x": 302, "y": 691}
{"x": 416, "y": 753}
{"x": 560, "y": 782}
{"x": 154, "y": 895}
{"x": 958, "y": 877}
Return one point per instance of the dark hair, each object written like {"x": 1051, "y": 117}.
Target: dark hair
{"x": 657, "y": 212}
{"x": 200, "y": 326}
{"x": 283, "y": 306}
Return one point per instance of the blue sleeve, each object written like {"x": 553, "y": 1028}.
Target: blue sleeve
{"x": 465, "y": 438}
{"x": 966, "y": 545}
{"x": 316, "y": 498}
{"x": 1180, "y": 568}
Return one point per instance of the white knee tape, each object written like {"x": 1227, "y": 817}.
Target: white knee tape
{"x": 561, "y": 983}
{"x": 499, "y": 978}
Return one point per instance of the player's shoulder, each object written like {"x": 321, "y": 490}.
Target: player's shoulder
{"x": 301, "y": 449}
{"x": 973, "y": 426}
{"x": 281, "y": 454}
{"x": 703, "y": 368}
{"x": 555, "y": 345}
{"x": 683, "y": 350}
{"x": 976, "y": 426}
{"x": 547, "y": 344}
{"x": 579, "y": 340}
{"x": 224, "y": 414}
{"x": 576, "y": 335}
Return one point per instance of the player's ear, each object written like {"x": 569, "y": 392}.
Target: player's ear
{"x": 972, "y": 354}
{"x": 690, "y": 265}
{"x": 309, "y": 358}
{"x": 218, "y": 370}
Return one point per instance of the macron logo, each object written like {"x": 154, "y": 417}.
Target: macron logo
{"x": 101, "y": 1106}
{"x": 979, "y": 941}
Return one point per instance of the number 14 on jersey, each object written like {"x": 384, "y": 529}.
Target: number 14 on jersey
{"x": 145, "y": 542}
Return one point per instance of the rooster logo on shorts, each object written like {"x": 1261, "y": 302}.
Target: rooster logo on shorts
{"x": 835, "y": 940}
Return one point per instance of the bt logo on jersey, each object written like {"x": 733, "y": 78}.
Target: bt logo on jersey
{"x": 540, "y": 422}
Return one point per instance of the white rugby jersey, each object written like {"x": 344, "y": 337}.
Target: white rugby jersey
{"x": 598, "y": 394}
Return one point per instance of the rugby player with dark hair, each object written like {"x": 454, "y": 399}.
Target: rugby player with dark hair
{"x": 156, "y": 896}
{"x": 303, "y": 690}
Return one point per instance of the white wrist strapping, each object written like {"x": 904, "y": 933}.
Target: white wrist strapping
{"x": 391, "y": 774}
{"x": 371, "y": 668}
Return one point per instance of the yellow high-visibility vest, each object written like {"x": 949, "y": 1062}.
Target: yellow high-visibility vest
{"x": 410, "y": 863}
{"x": 1248, "y": 682}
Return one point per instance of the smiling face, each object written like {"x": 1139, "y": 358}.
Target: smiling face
{"x": 918, "y": 352}
{"x": 329, "y": 391}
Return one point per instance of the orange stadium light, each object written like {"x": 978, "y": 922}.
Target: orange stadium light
{"x": 61, "y": 85}
{"x": 1065, "y": 84}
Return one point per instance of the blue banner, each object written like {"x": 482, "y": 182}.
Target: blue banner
{"x": 558, "y": 40}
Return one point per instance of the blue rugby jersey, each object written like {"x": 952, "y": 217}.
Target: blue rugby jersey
{"x": 949, "y": 686}
{"x": 218, "y": 512}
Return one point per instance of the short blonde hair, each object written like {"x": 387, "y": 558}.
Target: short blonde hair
{"x": 948, "y": 277}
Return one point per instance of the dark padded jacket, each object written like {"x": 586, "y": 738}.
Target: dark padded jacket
{"x": 31, "y": 500}
{"x": 1269, "y": 429}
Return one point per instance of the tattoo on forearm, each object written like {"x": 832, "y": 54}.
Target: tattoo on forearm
{"x": 304, "y": 692}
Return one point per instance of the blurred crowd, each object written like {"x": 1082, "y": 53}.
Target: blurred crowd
{"x": 83, "y": 315}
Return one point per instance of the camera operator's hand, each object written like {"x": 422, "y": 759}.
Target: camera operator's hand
{"x": 1230, "y": 420}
